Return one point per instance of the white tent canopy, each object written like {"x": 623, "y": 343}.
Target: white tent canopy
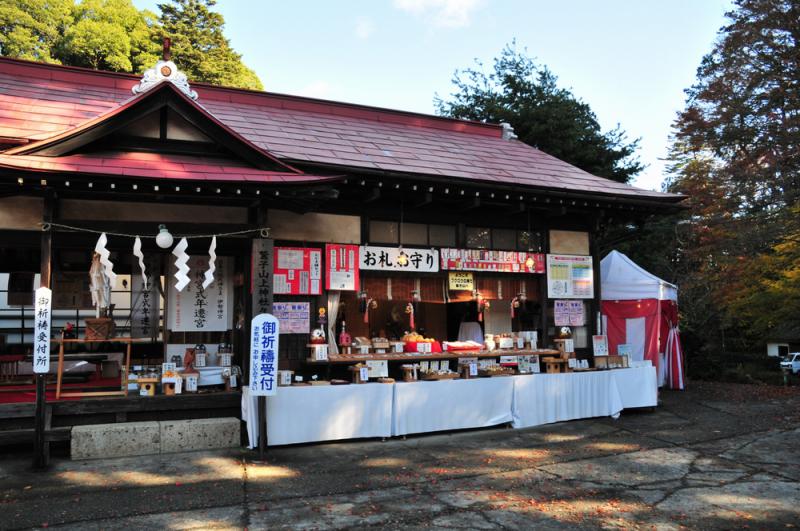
{"x": 622, "y": 280}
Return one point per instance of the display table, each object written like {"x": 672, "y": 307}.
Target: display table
{"x": 327, "y": 413}
{"x": 546, "y": 398}
{"x": 421, "y": 407}
{"x": 638, "y": 387}
{"x": 323, "y": 413}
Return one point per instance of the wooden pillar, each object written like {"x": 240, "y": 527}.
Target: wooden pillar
{"x": 41, "y": 448}
{"x": 258, "y": 217}
{"x": 595, "y": 250}
{"x": 543, "y": 287}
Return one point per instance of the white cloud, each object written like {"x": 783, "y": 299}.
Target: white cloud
{"x": 316, "y": 89}
{"x": 444, "y": 13}
{"x": 364, "y": 27}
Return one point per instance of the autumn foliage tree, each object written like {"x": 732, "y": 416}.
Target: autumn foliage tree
{"x": 736, "y": 153}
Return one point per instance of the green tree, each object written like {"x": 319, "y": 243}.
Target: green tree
{"x": 199, "y": 46}
{"x": 110, "y": 35}
{"x": 29, "y": 29}
{"x": 527, "y": 96}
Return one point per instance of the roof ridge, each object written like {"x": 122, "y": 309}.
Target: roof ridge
{"x": 125, "y": 81}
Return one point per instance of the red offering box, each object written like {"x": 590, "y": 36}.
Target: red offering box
{"x": 411, "y": 346}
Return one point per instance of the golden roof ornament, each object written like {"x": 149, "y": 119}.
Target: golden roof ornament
{"x": 165, "y": 70}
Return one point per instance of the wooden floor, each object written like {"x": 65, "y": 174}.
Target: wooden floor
{"x": 17, "y": 420}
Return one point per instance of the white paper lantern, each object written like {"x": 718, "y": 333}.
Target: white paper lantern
{"x": 163, "y": 238}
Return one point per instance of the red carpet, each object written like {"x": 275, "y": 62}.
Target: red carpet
{"x": 10, "y": 394}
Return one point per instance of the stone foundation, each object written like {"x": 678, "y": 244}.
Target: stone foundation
{"x": 148, "y": 438}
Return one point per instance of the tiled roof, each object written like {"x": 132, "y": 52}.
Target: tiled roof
{"x": 38, "y": 101}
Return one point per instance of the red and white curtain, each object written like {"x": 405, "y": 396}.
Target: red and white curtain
{"x": 650, "y": 327}
{"x": 672, "y": 347}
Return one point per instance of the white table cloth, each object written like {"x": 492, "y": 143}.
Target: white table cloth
{"x": 637, "y": 387}
{"x": 546, "y": 398}
{"x": 421, "y": 407}
{"x": 329, "y": 413}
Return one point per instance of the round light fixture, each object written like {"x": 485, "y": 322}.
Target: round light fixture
{"x": 163, "y": 238}
{"x": 402, "y": 258}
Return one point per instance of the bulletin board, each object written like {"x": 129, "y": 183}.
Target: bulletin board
{"x": 297, "y": 271}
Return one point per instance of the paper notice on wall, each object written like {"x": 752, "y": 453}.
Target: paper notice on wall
{"x": 561, "y": 313}
{"x": 570, "y": 277}
{"x": 577, "y": 316}
{"x": 342, "y": 267}
{"x": 298, "y": 271}
{"x": 294, "y": 317}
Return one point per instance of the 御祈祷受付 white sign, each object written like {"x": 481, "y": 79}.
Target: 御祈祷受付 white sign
{"x": 264, "y": 335}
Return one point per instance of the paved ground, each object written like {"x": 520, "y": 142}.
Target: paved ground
{"x": 717, "y": 456}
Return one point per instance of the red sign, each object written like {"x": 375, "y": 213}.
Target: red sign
{"x": 341, "y": 267}
{"x": 297, "y": 271}
{"x": 492, "y": 261}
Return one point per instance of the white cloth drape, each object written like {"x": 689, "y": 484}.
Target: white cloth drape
{"x": 325, "y": 413}
{"x": 329, "y": 413}
{"x": 674, "y": 364}
{"x": 637, "y": 387}
{"x": 333, "y": 311}
{"x": 547, "y": 398}
{"x": 470, "y": 331}
{"x": 421, "y": 407}
{"x": 250, "y": 416}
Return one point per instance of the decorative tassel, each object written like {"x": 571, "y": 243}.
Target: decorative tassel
{"x": 212, "y": 257}
{"x": 137, "y": 252}
{"x": 181, "y": 258}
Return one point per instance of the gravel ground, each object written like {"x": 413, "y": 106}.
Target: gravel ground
{"x": 718, "y": 456}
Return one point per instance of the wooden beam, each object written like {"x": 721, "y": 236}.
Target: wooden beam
{"x": 41, "y": 447}
{"x": 426, "y": 199}
{"x": 373, "y": 195}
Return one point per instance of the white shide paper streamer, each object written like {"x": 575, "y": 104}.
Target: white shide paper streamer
{"x": 212, "y": 257}
{"x": 108, "y": 267}
{"x": 137, "y": 252}
{"x": 181, "y": 258}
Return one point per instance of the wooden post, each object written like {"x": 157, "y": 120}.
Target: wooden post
{"x": 41, "y": 448}
{"x": 253, "y": 306}
{"x": 543, "y": 286}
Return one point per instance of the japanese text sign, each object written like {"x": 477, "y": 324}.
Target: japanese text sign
{"x": 198, "y": 309}
{"x": 460, "y": 281}
{"x": 264, "y": 335}
{"x": 295, "y": 317}
{"x": 261, "y": 259}
{"x": 494, "y": 261}
{"x": 390, "y": 259}
{"x": 297, "y": 271}
{"x": 41, "y": 337}
{"x": 342, "y": 267}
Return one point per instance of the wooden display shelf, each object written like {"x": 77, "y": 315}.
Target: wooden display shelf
{"x": 123, "y": 377}
{"x": 411, "y": 357}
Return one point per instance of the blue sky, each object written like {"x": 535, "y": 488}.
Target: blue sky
{"x": 629, "y": 59}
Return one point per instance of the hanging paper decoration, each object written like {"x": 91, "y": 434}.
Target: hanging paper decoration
{"x": 411, "y": 321}
{"x": 212, "y": 256}
{"x": 108, "y": 267}
{"x": 181, "y": 258}
{"x": 137, "y": 252}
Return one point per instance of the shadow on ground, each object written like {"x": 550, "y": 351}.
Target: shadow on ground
{"x": 718, "y": 456}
